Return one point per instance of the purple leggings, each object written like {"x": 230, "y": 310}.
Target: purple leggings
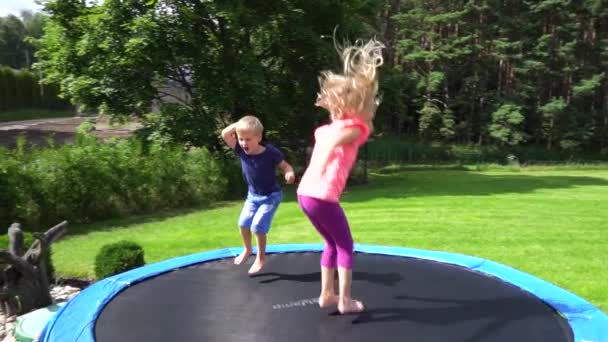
{"x": 330, "y": 221}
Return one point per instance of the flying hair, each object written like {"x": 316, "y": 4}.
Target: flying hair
{"x": 354, "y": 91}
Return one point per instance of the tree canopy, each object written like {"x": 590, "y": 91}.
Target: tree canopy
{"x": 16, "y": 50}
{"x": 483, "y": 71}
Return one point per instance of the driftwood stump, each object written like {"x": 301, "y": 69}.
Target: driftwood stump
{"x": 24, "y": 282}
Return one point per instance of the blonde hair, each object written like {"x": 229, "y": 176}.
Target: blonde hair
{"x": 250, "y": 124}
{"x": 353, "y": 92}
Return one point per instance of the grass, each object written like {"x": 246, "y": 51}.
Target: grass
{"x": 31, "y": 114}
{"x": 549, "y": 222}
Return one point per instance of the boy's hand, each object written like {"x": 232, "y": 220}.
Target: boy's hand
{"x": 290, "y": 177}
{"x": 229, "y": 135}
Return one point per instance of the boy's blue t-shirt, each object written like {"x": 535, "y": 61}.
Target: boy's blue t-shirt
{"x": 259, "y": 170}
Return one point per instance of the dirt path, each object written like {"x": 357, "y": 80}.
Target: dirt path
{"x": 61, "y": 130}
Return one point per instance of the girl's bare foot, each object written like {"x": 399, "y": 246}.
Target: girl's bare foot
{"x": 328, "y": 300}
{"x": 257, "y": 265}
{"x": 348, "y": 306}
{"x": 242, "y": 257}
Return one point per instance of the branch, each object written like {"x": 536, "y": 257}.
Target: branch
{"x": 180, "y": 100}
{"x": 180, "y": 76}
{"x": 20, "y": 264}
{"x": 55, "y": 233}
{"x": 42, "y": 242}
{"x": 182, "y": 82}
{"x": 15, "y": 239}
{"x": 36, "y": 250}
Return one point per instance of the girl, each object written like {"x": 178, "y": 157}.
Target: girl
{"x": 350, "y": 99}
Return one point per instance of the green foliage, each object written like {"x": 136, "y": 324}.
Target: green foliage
{"x": 506, "y": 125}
{"x": 553, "y": 108}
{"x": 19, "y": 89}
{"x": 429, "y": 115}
{"x": 91, "y": 180}
{"x": 395, "y": 150}
{"x": 488, "y": 54}
{"x": 227, "y": 59}
{"x": 177, "y": 124}
{"x": 449, "y": 66}
{"x": 431, "y": 83}
{"x": 12, "y": 46}
{"x": 436, "y": 121}
{"x": 553, "y": 115}
{"x": 118, "y": 257}
{"x": 588, "y": 86}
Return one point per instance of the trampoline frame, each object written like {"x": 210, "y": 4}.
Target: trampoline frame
{"x": 75, "y": 322}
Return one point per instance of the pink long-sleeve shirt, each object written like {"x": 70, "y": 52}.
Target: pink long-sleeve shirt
{"x": 329, "y": 185}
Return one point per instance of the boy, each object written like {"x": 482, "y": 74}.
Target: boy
{"x": 264, "y": 192}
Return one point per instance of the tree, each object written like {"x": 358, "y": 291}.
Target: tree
{"x": 449, "y": 65}
{"x": 16, "y": 49}
{"x": 506, "y": 126}
{"x": 229, "y": 58}
{"x": 12, "y": 47}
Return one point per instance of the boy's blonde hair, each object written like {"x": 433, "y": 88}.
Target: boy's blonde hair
{"x": 249, "y": 124}
{"x": 353, "y": 92}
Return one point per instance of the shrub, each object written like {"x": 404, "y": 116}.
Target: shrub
{"x": 91, "y": 180}
{"x": 118, "y": 257}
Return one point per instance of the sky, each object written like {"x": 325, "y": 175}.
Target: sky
{"x": 16, "y": 6}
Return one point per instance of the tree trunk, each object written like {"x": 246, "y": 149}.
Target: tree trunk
{"x": 24, "y": 283}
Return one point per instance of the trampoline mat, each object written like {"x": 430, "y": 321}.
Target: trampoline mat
{"x": 407, "y": 299}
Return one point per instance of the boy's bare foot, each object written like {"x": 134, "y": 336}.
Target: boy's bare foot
{"x": 349, "y": 306}
{"x": 257, "y": 265}
{"x": 242, "y": 257}
{"x": 327, "y": 301}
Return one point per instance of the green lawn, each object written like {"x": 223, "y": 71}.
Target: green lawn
{"x": 552, "y": 223}
{"x": 31, "y": 114}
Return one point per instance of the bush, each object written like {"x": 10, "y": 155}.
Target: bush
{"x": 19, "y": 89}
{"x": 117, "y": 258}
{"x": 387, "y": 150}
{"x": 91, "y": 180}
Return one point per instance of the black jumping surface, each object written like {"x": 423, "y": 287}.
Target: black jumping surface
{"x": 407, "y": 299}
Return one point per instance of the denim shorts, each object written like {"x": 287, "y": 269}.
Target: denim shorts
{"x": 259, "y": 210}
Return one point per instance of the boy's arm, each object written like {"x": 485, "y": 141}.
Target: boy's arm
{"x": 290, "y": 176}
{"x": 229, "y": 135}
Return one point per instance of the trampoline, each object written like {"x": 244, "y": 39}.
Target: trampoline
{"x": 410, "y": 295}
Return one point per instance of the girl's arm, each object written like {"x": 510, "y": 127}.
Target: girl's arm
{"x": 229, "y": 135}
{"x": 287, "y": 170}
{"x": 322, "y": 153}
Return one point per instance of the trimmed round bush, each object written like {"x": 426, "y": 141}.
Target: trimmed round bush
{"x": 118, "y": 257}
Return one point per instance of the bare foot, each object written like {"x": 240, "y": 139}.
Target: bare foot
{"x": 242, "y": 257}
{"x": 349, "y": 306}
{"x": 327, "y": 301}
{"x": 257, "y": 265}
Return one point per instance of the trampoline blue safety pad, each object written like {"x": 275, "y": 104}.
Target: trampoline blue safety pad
{"x": 77, "y": 320}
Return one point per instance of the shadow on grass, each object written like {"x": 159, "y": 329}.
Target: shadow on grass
{"x": 460, "y": 183}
